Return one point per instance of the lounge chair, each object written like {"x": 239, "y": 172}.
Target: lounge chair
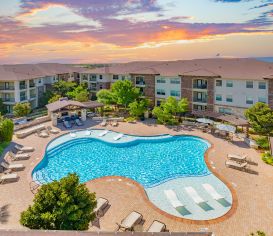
{"x": 78, "y": 122}
{"x": 197, "y": 199}
{"x": 236, "y": 165}
{"x": 237, "y": 157}
{"x": 43, "y": 134}
{"x": 102, "y": 203}
{"x": 12, "y": 167}
{"x": 8, "y": 178}
{"x": 172, "y": 197}
{"x": 119, "y": 136}
{"x": 52, "y": 131}
{"x": 67, "y": 124}
{"x": 130, "y": 221}
{"x": 115, "y": 123}
{"x": 215, "y": 195}
{"x": 103, "y": 123}
{"x": 157, "y": 227}
{"x": 24, "y": 148}
{"x": 103, "y": 133}
{"x": 20, "y": 156}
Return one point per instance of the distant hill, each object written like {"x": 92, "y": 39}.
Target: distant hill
{"x": 266, "y": 59}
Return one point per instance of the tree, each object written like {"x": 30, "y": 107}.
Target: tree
{"x": 79, "y": 93}
{"x": 63, "y": 87}
{"x": 44, "y": 100}
{"x": 54, "y": 98}
{"x": 61, "y": 205}
{"x": 183, "y": 106}
{"x": 3, "y": 109}
{"x": 137, "y": 108}
{"x": 124, "y": 92}
{"x": 260, "y": 117}
{"x": 21, "y": 109}
{"x": 6, "y": 130}
{"x": 106, "y": 97}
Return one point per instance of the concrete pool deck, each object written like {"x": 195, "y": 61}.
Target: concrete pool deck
{"x": 254, "y": 192}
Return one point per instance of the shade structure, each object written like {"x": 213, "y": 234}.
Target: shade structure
{"x": 205, "y": 121}
{"x": 227, "y": 128}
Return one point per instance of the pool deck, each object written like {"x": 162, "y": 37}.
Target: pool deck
{"x": 253, "y": 203}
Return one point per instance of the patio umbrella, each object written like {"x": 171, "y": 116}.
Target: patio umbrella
{"x": 205, "y": 121}
{"x": 227, "y": 128}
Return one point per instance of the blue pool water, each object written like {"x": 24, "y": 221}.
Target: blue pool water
{"x": 148, "y": 161}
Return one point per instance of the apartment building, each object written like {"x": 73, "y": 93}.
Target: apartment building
{"x": 27, "y": 83}
{"x": 221, "y": 85}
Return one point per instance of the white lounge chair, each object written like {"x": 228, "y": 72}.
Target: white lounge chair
{"x": 20, "y": 156}
{"x": 215, "y": 195}
{"x": 236, "y": 165}
{"x": 14, "y": 167}
{"x": 24, "y": 148}
{"x": 103, "y": 123}
{"x": 237, "y": 157}
{"x": 119, "y": 136}
{"x": 197, "y": 199}
{"x": 102, "y": 203}
{"x": 172, "y": 197}
{"x": 157, "y": 227}
{"x": 130, "y": 221}
{"x": 103, "y": 133}
{"x": 52, "y": 131}
{"x": 8, "y": 178}
{"x": 115, "y": 123}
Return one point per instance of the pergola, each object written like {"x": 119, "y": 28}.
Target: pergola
{"x": 65, "y": 105}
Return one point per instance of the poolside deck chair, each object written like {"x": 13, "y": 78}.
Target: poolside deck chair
{"x": 67, "y": 124}
{"x": 102, "y": 203}
{"x": 20, "y": 156}
{"x": 78, "y": 122}
{"x": 114, "y": 124}
{"x": 237, "y": 157}
{"x": 130, "y": 221}
{"x": 23, "y": 148}
{"x": 236, "y": 165}
{"x": 12, "y": 167}
{"x": 172, "y": 197}
{"x": 197, "y": 199}
{"x": 8, "y": 178}
{"x": 119, "y": 136}
{"x": 103, "y": 123}
{"x": 157, "y": 227}
{"x": 52, "y": 131}
{"x": 215, "y": 195}
{"x": 103, "y": 133}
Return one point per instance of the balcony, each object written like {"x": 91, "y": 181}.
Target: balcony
{"x": 200, "y": 100}
{"x": 200, "y": 86}
{"x": 7, "y": 87}
{"x": 32, "y": 85}
{"x": 140, "y": 83}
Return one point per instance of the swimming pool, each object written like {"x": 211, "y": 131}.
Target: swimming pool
{"x": 152, "y": 161}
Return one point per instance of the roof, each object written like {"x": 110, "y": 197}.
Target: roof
{"x": 232, "y": 119}
{"x": 71, "y": 105}
{"x": 229, "y": 68}
{"x": 30, "y": 71}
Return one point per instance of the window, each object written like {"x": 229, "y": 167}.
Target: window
{"x": 262, "y": 99}
{"x": 85, "y": 77}
{"x": 249, "y": 100}
{"x": 175, "y": 81}
{"x": 158, "y": 103}
{"x": 229, "y": 84}
{"x": 101, "y": 87}
{"x": 249, "y": 84}
{"x": 40, "y": 81}
{"x": 123, "y": 77}
{"x": 160, "y": 92}
{"x": 23, "y": 96}
{"x": 218, "y": 97}
{"x": 93, "y": 77}
{"x": 175, "y": 93}
{"x": 262, "y": 85}
{"x": 219, "y": 83}
{"x": 115, "y": 77}
{"x": 22, "y": 85}
{"x": 140, "y": 80}
{"x": 229, "y": 98}
{"x": 161, "y": 81}
{"x": 225, "y": 110}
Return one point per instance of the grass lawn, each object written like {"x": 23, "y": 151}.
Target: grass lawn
{"x": 3, "y": 146}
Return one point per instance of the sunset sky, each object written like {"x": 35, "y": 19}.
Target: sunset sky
{"x": 94, "y": 31}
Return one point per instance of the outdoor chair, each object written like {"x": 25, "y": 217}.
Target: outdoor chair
{"x": 130, "y": 221}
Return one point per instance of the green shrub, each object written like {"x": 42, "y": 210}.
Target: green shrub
{"x": 3, "y": 145}
{"x": 267, "y": 158}
{"x": 6, "y": 130}
{"x": 61, "y": 205}
{"x": 21, "y": 109}
{"x": 262, "y": 141}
